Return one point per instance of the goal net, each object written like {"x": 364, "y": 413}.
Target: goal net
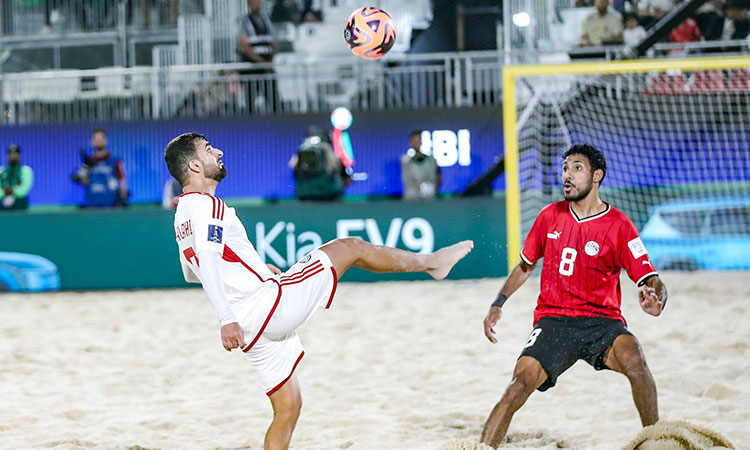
{"x": 676, "y": 137}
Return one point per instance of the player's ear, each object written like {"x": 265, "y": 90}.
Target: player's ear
{"x": 195, "y": 165}
{"x": 598, "y": 176}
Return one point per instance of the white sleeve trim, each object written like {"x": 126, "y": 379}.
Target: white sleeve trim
{"x": 638, "y": 283}
{"x": 526, "y": 260}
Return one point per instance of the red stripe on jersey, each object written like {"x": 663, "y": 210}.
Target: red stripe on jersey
{"x": 333, "y": 291}
{"x": 313, "y": 266}
{"x": 231, "y": 256}
{"x": 223, "y": 205}
{"x": 268, "y": 319}
{"x": 278, "y": 386}
{"x": 306, "y": 276}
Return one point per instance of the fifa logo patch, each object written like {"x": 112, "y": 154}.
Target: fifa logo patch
{"x": 591, "y": 248}
{"x": 215, "y": 233}
{"x": 305, "y": 259}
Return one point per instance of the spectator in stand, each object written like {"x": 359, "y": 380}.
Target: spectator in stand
{"x": 15, "y": 181}
{"x": 102, "y": 174}
{"x": 736, "y": 22}
{"x": 710, "y": 19}
{"x": 651, "y": 11}
{"x": 687, "y": 31}
{"x": 735, "y": 25}
{"x": 255, "y": 44}
{"x": 633, "y": 32}
{"x": 602, "y": 27}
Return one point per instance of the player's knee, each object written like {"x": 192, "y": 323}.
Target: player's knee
{"x": 635, "y": 367}
{"x": 519, "y": 389}
{"x": 290, "y": 412}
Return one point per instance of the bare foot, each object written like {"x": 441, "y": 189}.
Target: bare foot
{"x": 444, "y": 259}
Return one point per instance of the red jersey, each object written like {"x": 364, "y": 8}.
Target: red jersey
{"x": 582, "y": 261}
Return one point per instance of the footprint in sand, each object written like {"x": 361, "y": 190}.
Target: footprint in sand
{"x": 532, "y": 439}
{"x": 74, "y": 414}
{"x": 719, "y": 391}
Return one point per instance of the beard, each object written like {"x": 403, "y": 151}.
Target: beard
{"x": 582, "y": 193}
{"x": 217, "y": 174}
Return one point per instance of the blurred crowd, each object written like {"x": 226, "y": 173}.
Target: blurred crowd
{"x": 627, "y": 22}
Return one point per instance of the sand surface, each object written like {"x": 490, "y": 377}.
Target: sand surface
{"x": 391, "y": 366}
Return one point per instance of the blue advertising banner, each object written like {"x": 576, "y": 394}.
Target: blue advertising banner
{"x": 258, "y": 149}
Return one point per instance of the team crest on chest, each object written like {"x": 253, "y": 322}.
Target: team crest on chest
{"x": 591, "y": 248}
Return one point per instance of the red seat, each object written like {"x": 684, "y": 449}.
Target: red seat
{"x": 707, "y": 81}
{"x": 666, "y": 84}
{"x": 740, "y": 81}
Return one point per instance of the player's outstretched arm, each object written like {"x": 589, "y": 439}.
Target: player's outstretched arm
{"x": 515, "y": 280}
{"x": 653, "y": 296}
{"x": 231, "y": 332}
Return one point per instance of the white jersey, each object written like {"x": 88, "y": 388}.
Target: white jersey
{"x": 203, "y": 222}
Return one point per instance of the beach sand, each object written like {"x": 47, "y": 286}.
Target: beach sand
{"x": 393, "y": 365}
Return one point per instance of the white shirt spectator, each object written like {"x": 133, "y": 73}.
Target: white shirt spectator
{"x": 633, "y": 36}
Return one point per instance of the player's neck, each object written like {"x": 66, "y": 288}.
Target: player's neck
{"x": 589, "y": 206}
{"x": 203, "y": 186}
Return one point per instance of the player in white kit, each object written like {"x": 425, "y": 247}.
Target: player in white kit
{"x": 259, "y": 307}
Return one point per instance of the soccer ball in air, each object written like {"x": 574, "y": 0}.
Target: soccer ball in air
{"x": 370, "y": 32}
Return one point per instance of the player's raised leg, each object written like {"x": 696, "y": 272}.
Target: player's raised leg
{"x": 625, "y": 356}
{"x": 527, "y": 376}
{"x": 347, "y": 252}
{"x": 287, "y": 403}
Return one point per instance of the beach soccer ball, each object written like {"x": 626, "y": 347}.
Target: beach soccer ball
{"x": 370, "y": 32}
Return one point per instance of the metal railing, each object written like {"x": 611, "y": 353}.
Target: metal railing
{"x": 171, "y": 88}
{"x": 432, "y": 80}
{"x": 54, "y": 17}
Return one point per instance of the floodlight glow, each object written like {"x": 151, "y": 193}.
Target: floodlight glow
{"x": 522, "y": 19}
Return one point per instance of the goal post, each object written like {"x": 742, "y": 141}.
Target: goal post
{"x": 672, "y": 129}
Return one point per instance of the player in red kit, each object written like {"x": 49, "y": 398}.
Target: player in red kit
{"x": 585, "y": 244}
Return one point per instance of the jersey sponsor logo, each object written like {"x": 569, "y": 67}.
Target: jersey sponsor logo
{"x": 591, "y": 248}
{"x": 215, "y": 233}
{"x": 554, "y": 235}
{"x": 637, "y": 248}
{"x": 305, "y": 259}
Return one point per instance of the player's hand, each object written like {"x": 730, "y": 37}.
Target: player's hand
{"x": 493, "y": 315}
{"x": 649, "y": 300}
{"x": 232, "y": 336}
{"x": 275, "y": 270}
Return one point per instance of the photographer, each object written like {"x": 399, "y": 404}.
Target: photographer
{"x": 102, "y": 174}
{"x": 319, "y": 173}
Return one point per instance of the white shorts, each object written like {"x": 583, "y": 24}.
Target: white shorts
{"x": 307, "y": 285}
